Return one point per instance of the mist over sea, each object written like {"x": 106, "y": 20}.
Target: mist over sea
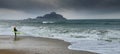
{"x": 101, "y": 36}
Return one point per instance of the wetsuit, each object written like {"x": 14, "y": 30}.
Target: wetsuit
{"x": 15, "y": 31}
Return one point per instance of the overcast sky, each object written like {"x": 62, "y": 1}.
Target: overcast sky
{"x": 70, "y": 9}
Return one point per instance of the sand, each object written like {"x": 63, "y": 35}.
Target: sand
{"x": 35, "y": 45}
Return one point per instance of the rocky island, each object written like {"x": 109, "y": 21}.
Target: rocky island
{"x": 48, "y": 18}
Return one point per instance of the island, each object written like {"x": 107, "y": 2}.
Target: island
{"x": 48, "y": 18}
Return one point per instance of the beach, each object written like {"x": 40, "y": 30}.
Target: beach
{"x": 35, "y": 45}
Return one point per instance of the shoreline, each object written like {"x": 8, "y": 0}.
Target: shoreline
{"x": 36, "y": 45}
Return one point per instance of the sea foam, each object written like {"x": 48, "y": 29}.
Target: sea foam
{"x": 103, "y": 41}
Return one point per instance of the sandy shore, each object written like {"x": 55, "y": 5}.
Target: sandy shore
{"x": 35, "y": 45}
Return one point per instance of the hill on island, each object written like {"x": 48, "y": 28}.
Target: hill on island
{"x": 53, "y": 16}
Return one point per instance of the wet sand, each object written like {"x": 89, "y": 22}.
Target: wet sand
{"x": 35, "y": 45}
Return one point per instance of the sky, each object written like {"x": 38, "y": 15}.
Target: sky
{"x": 70, "y": 9}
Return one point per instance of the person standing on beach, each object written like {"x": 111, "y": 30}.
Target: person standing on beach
{"x": 15, "y": 32}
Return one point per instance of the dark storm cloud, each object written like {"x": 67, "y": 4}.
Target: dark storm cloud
{"x": 91, "y": 4}
{"x": 25, "y": 5}
{"x": 75, "y": 4}
{"x": 66, "y": 7}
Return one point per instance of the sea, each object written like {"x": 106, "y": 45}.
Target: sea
{"x": 95, "y": 35}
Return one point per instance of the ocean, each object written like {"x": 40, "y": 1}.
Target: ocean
{"x": 100, "y": 36}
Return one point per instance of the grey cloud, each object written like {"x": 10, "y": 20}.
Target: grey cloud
{"x": 25, "y": 5}
{"x": 91, "y": 4}
{"x": 42, "y": 6}
{"x": 76, "y": 4}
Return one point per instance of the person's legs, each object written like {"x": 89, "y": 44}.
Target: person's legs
{"x": 15, "y": 36}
